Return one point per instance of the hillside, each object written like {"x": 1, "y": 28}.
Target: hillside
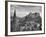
{"x": 30, "y": 22}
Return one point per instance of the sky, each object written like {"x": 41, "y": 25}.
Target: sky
{"x": 23, "y": 10}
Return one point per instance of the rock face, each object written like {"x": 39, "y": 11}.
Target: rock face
{"x": 31, "y": 22}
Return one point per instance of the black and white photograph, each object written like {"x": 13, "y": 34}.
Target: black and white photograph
{"x": 25, "y": 18}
